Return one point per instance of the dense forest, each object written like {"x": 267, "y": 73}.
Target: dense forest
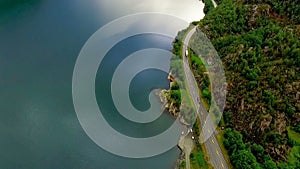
{"x": 258, "y": 42}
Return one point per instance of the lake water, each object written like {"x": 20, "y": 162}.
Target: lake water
{"x": 39, "y": 44}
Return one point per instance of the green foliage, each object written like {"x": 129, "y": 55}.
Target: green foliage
{"x": 246, "y": 155}
{"x": 218, "y": 1}
{"x": 286, "y": 8}
{"x": 175, "y": 86}
{"x": 227, "y": 118}
{"x": 258, "y": 42}
{"x": 182, "y": 164}
{"x": 175, "y": 95}
{"x": 233, "y": 140}
{"x": 293, "y": 159}
{"x": 177, "y": 44}
{"x": 199, "y": 70}
{"x": 177, "y": 69}
{"x": 294, "y": 135}
{"x": 240, "y": 155}
{"x": 197, "y": 63}
{"x": 258, "y": 151}
{"x": 269, "y": 164}
{"x": 244, "y": 159}
{"x": 198, "y": 160}
{"x": 195, "y": 23}
{"x": 269, "y": 98}
{"x": 206, "y": 94}
{"x": 209, "y": 6}
{"x": 224, "y": 18}
{"x": 259, "y": 46}
{"x": 178, "y": 97}
{"x": 297, "y": 128}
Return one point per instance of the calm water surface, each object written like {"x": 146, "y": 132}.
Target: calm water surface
{"x": 39, "y": 44}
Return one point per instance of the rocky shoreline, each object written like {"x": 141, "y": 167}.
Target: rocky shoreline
{"x": 169, "y": 106}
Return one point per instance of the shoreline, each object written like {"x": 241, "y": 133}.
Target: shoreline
{"x": 185, "y": 143}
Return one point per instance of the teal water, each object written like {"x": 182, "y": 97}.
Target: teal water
{"x": 39, "y": 44}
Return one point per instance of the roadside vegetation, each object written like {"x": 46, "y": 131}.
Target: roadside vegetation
{"x": 177, "y": 96}
{"x": 209, "y": 6}
{"x": 201, "y": 76}
{"x": 198, "y": 159}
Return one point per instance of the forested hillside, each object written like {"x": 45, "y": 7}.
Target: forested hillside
{"x": 259, "y": 45}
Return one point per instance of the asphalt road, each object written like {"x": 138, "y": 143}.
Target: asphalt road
{"x": 212, "y": 146}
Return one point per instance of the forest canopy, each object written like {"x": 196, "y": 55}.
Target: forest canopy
{"x": 258, "y": 42}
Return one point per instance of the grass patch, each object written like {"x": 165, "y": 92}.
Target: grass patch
{"x": 294, "y": 155}
{"x": 182, "y": 165}
{"x": 188, "y": 108}
{"x": 293, "y": 135}
{"x": 220, "y": 139}
{"x": 197, "y": 159}
{"x": 200, "y": 147}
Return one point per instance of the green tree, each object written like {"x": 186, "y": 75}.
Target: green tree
{"x": 270, "y": 164}
{"x": 244, "y": 159}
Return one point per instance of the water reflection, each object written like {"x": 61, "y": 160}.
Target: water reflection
{"x": 39, "y": 45}
{"x": 189, "y": 10}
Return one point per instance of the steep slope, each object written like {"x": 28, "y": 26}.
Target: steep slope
{"x": 258, "y": 42}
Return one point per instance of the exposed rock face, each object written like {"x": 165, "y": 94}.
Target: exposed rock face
{"x": 168, "y": 105}
{"x": 296, "y": 119}
{"x": 256, "y": 11}
{"x": 280, "y": 123}
{"x": 265, "y": 123}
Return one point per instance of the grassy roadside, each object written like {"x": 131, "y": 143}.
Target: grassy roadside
{"x": 219, "y": 136}
{"x": 199, "y": 159}
{"x": 220, "y": 139}
{"x": 199, "y": 70}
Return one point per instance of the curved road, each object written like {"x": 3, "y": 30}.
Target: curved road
{"x": 213, "y": 149}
